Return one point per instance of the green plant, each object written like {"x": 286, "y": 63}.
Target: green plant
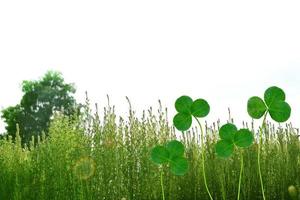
{"x": 187, "y": 109}
{"x": 231, "y": 137}
{"x": 279, "y": 110}
{"x": 123, "y": 169}
{"x": 173, "y": 155}
{"x": 40, "y": 100}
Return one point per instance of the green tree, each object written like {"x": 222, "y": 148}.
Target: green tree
{"x": 40, "y": 100}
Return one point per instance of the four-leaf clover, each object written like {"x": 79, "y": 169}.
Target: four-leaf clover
{"x": 173, "y": 154}
{"x": 273, "y": 103}
{"x": 231, "y": 137}
{"x": 187, "y": 108}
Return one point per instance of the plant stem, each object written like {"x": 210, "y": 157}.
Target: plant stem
{"x": 162, "y": 184}
{"x": 258, "y": 155}
{"x": 203, "y": 158}
{"x": 240, "y": 178}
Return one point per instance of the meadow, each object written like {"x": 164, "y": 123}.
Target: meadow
{"x": 97, "y": 155}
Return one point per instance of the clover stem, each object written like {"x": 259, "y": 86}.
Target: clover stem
{"x": 203, "y": 158}
{"x": 162, "y": 184}
{"x": 258, "y": 154}
{"x": 241, "y": 172}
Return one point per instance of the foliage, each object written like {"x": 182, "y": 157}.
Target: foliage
{"x": 187, "y": 108}
{"x": 120, "y": 149}
{"x": 40, "y": 100}
{"x": 172, "y": 154}
{"x": 89, "y": 158}
{"x": 280, "y": 111}
{"x": 274, "y": 103}
{"x": 231, "y": 137}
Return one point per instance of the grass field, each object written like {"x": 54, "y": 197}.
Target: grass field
{"x": 107, "y": 158}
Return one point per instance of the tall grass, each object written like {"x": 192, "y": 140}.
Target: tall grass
{"x": 88, "y": 157}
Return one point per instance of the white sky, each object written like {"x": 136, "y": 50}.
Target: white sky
{"x": 223, "y": 51}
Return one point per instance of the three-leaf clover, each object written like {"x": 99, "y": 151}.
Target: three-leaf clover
{"x": 173, "y": 154}
{"x": 273, "y": 103}
{"x": 231, "y": 137}
{"x": 187, "y": 108}
{"x": 279, "y": 110}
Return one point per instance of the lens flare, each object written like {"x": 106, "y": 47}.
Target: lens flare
{"x": 84, "y": 168}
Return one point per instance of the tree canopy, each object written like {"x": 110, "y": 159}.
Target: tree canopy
{"x": 40, "y": 100}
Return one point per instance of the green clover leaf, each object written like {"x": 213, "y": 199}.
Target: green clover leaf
{"x": 173, "y": 154}
{"x": 224, "y": 148}
{"x": 200, "y": 108}
{"x": 179, "y": 166}
{"x": 227, "y": 132}
{"x": 183, "y": 104}
{"x": 243, "y": 138}
{"x": 175, "y": 148}
{"x": 280, "y": 111}
{"x": 273, "y": 103}
{"x": 187, "y": 108}
{"x": 231, "y": 137}
{"x": 273, "y": 94}
{"x": 182, "y": 121}
{"x": 159, "y": 155}
{"x": 256, "y": 107}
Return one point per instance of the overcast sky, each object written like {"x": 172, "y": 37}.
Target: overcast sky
{"x": 223, "y": 51}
